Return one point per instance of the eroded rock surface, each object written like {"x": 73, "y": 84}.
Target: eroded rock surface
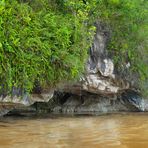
{"x": 93, "y": 103}
{"x": 99, "y": 77}
{"x": 21, "y": 101}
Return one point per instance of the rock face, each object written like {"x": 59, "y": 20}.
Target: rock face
{"x": 99, "y": 77}
{"x": 92, "y": 103}
{"x": 99, "y": 89}
{"x": 20, "y": 100}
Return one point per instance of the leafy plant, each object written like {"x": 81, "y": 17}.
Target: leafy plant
{"x": 41, "y": 42}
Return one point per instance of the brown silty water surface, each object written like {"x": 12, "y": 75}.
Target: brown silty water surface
{"x": 110, "y": 131}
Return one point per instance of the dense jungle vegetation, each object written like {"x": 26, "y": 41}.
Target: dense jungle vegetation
{"x": 48, "y": 40}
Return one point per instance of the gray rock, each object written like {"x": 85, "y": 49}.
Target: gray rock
{"x": 99, "y": 77}
{"x": 92, "y": 103}
{"x": 20, "y": 101}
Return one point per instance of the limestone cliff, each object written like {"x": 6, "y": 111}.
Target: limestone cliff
{"x": 100, "y": 89}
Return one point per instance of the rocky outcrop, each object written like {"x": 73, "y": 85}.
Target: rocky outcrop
{"x": 99, "y": 77}
{"x": 93, "y": 103}
{"x": 100, "y": 89}
{"x": 21, "y": 101}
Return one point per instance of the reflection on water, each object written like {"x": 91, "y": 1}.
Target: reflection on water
{"x": 111, "y": 131}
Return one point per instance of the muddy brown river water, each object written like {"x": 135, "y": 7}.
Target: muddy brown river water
{"x": 108, "y": 131}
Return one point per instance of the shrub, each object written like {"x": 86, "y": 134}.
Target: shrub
{"x": 41, "y": 42}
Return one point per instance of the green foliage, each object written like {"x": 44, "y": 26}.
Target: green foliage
{"x": 47, "y": 40}
{"x": 40, "y": 41}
